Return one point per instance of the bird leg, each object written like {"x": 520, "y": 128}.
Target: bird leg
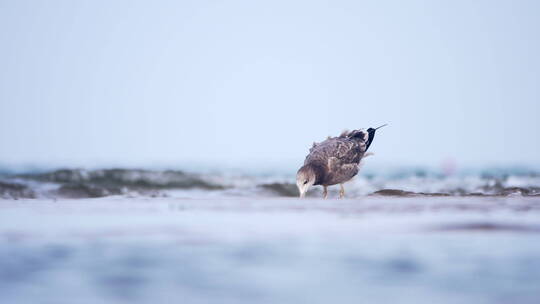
{"x": 341, "y": 191}
{"x": 325, "y": 192}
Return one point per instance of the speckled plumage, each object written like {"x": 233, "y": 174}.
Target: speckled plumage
{"x": 336, "y": 159}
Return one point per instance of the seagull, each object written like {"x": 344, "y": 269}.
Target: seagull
{"x": 335, "y": 160}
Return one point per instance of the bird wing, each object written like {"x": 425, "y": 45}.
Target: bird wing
{"x": 344, "y": 150}
{"x": 339, "y": 157}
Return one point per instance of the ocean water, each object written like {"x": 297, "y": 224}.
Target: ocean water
{"x": 161, "y": 236}
{"x": 83, "y": 183}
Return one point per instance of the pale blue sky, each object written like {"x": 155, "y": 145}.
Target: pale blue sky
{"x": 168, "y": 82}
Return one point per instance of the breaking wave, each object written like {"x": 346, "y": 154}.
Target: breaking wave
{"x": 81, "y": 183}
{"x": 78, "y": 183}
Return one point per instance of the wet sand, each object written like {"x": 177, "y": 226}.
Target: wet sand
{"x": 275, "y": 250}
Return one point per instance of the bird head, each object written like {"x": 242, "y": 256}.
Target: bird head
{"x": 305, "y": 178}
{"x": 371, "y": 135}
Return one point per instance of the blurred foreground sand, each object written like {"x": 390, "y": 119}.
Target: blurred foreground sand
{"x": 373, "y": 249}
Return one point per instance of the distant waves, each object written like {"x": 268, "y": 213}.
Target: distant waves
{"x": 81, "y": 183}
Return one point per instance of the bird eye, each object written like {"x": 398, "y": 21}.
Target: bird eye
{"x": 305, "y": 182}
